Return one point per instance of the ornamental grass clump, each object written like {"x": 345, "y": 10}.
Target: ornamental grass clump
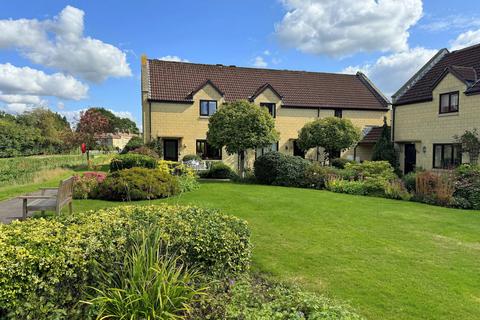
{"x": 151, "y": 283}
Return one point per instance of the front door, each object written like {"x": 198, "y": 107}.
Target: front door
{"x": 410, "y": 158}
{"x": 170, "y": 149}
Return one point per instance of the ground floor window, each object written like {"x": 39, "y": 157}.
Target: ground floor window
{"x": 261, "y": 151}
{"x": 446, "y": 156}
{"x": 208, "y": 152}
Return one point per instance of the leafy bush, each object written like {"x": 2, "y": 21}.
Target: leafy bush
{"x": 372, "y": 169}
{"x": 127, "y": 161}
{"x": 132, "y": 144}
{"x": 467, "y": 187}
{"x": 282, "y": 170}
{"x": 409, "y": 181}
{"x": 253, "y": 298}
{"x": 340, "y": 163}
{"x": 137, "y": 184}
{"x": 396, "y": 190}
{"x": 191, "y": 157}
{"x": 316, "y": 175}
{"x": 339, "y": 185}
{"x": 46, "y": 265}
{"x": 150, "y": 284}
{"x": 85, "y": 186}
{"x": 146, "y": 151}
{"x": 267, "y": 167}
{"x": 188, "y": 183}
{"x": 219, "y": 170}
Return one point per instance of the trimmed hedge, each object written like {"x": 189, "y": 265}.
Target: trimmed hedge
{"x": 137, "y": 184}
{"x": 46, "y": 265}
{"x": 132, "y": 160}
{"x": 219, "y": 170}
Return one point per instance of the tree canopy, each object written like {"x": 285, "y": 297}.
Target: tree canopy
{"x": 117, "y": 124}
{"x": 239, "y": 126}
{"x": 332, "y": 134}
{"x": 384, "y": 149}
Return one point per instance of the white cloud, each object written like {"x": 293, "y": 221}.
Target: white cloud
{"x": 259, "y": 62}
{"x": 173, "y": 58}
{"x": 450, "y": 22}
{"x": 266, "y": 52}
{"x": 59, "y": 43}
{"x": 466, "y": 39}
{"x": 343, "y": 27}
{"x": 17, "y": 104}
{"x": 31, "y": 82}
{"x": 390, "y": 72}
{"x": 60, "y": 105}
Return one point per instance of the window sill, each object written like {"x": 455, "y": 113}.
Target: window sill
{"x": 204, "y": 117}
{"x": 449, "y": 114}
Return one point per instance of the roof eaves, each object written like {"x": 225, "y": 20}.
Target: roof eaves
{"x": 376, "y": 92}
{"x": 419, "y": 75}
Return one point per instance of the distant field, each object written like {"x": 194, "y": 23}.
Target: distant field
{"x": 23, "y": 170}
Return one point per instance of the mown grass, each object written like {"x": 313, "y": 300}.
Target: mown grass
{"x": 389, "y": 259}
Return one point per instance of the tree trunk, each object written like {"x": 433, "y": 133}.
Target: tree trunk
{"x": 241, "y": 164}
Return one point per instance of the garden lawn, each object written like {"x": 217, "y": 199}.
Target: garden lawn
{"x": 388, "y": 259}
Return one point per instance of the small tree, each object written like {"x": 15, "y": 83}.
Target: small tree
{"x": 91, "y": 124}
{"x": 239, "y": 126}
{"x": 470, "y": 144}
{"x": 384, "y": 149}
{"x": 332, "y": 134}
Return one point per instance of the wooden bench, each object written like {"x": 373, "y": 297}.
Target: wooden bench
{"x": 61, "y": 196}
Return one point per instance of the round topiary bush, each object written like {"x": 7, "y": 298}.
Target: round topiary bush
{"x": 131, "y": 160}
{"x": 282, "y": 170}
{"x": 137, "y": 184}
{"x": 191, "y": 157}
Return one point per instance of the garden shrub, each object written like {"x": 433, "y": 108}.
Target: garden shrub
{"x": 434, "y": 188}
{"x": 372, "y": 169}
{"x": 127, "y": 161}
{"x": 254, "y": 298}
{"x": 85, "y": 186}
{"x": 191, "y": 157}
{"x": 340, "y": 163}
{"x": 146, "y": 151}
{"x": 336, "y": 184}
{"x": 46, "y": 265}
{"x": 188, "y": 183}
{"x": 279, "y": 169}
{"x": 267, "y": 167}
{"x": 219, "y": 170}
{"x": 467, "y": 187}
{"x": 409, "y": 181}
{"x": 395, "y": 189}
{"x": 137, "y": 184}
{"x": 316, "y": 175}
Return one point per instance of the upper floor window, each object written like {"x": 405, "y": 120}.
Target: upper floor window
{"x": 270, "y": 107}
{"x": 261, "y": 151}
{"x": 449, "y": 102}
{"x": 208, "y": 107}
{"x": 338, "y": 113}
{"x": 446, "y": 156}
{"x": 208, "y": 152}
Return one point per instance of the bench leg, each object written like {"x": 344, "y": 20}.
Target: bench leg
{"x": 70, "y": 207}
{"x": 24, "y": 209}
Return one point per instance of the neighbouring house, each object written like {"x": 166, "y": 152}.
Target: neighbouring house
{"x": 178, "y": 98}
{"x": 114, "y": 140}
{"x": 440, "y": 101}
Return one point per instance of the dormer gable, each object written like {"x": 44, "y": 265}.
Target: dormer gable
{"x": 202, "y": 86}
{"x": 262, "y": 89}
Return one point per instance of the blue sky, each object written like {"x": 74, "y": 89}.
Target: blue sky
{"x": 69, "y": 55}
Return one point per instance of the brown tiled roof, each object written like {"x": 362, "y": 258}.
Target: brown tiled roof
{"x": 372, "y": 136}
{"x": 464, "y": 63}
{"x": 175, "y": 81}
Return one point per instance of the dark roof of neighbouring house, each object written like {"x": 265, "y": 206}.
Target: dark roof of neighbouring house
{"x": 372, "y": 136}
{"x": 177, "y": 81}
{"x": 463, "y": 64}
